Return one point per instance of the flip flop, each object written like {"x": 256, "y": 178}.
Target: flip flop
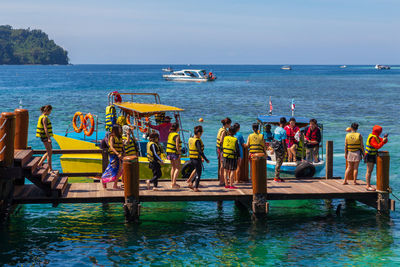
{"x": 370, "y": 188}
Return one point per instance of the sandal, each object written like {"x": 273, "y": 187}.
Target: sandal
{"x": 370, "y": 188}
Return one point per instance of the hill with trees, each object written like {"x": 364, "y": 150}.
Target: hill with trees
{"x": 26, "y": 46}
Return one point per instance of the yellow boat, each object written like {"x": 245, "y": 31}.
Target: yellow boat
{"x": 141, "y": 115}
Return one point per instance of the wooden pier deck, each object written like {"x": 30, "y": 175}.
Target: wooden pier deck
{"x": 314, "y": 188}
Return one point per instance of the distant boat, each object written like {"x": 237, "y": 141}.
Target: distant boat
{"x": 190, "y": 75}
{"x": 382, "y": 67}
{"x": 169, "y": 69}
{"x": 343, "y": 67}
{"x": 286, "y": 68}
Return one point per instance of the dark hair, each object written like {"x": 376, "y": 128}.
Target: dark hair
{"x": 255, "y": 127}
{"x": 174, "y": 127}
{"x": 292, "y": 119}
{"x": 232, "y": 130}
{"x": 237, "y": 126}
{"x": 268, "y": 126}
{"x": 198, "y": 129}
{"x": 226, "y": 121}
{"x": 282, "y": 120}
{"x": 116, "y": 130}
{"x": 153, "y": 136}
{"x": 314, "y": 121}
{"x": 46, "y": 108}
{"x": 354, "y": 126}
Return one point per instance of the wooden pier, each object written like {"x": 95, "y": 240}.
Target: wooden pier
{"x": 18, "y": 163}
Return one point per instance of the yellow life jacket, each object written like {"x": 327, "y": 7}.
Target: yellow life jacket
{"x": 171, "y": 143}
{"x": 121, "y": 120}
{"x": 220, "y": 131}
{"x": 256, "y": 143}
{"x": 193, "y": 152}
{"x": 150, "y": 154}
{"x": 229, "y": 147}
{"x": 130, "y": 148}
{"x": 111, "y": 117}
{"x": 353, "y": 141}
{"x": 40, "y": 128}
{"x": 369, "y": 149}
{"x": 117, "y": 145}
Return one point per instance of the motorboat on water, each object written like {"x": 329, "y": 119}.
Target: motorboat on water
{"x": 291, "y": 167}
{"x": 137, "y": 114}
{"x": 343, "y": 67}
{"x": 382, "y": 67}
{"x": 190, "y": 75}
{"x": 169, "y": 69}
{"x": 286, "y": 67}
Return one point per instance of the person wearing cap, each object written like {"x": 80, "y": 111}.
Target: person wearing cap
{"x": 374, "y": 142}
{"x": 163, "y": 130}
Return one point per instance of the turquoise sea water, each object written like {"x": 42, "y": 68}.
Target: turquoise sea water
{"x": 200, "y": 233}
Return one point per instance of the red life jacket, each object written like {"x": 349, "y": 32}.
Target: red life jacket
{"x": 290, "y": 133}
{"x": 312, "y": 135}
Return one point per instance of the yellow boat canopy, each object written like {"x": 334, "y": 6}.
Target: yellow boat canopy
{"x": 144, "y": 109}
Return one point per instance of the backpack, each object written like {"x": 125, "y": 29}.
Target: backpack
{"x": 276, "y": 145}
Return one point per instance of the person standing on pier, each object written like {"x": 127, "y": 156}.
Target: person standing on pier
{"x": 44, "y": 130}
{"x": 281, "y": 149}
{"x": 196, "y": 155}
{"x": 241, "y": 143}
{"x": 115, "y": 150}
{"x": 130, "y": 145}
{"x": 353, "y": 152}
{"x": 222, "y": 132}
{"x": 154, "y": 156}
{"x": 374, "y": 142}
{"x": 174, "y": 148}
{"x": 312, "y": 138}
{"x": 255, "y": 142}
{"x": 230, "y": 153}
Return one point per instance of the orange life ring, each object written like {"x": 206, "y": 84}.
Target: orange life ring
{"x": 76, "y": 128}
{"x": 88, "y": 132}
{"x": 143, "y": 129}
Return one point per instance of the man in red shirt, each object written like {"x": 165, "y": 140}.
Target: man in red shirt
{"x": 163, "y": 130}
{"x": 374, "y": 142}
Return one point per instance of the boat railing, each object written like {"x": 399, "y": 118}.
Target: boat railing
{"x": 112, "y": 95}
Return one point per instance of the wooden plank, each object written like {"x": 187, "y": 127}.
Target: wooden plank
{"x": 21, "y": 157}
{"x": 32, "y": 164}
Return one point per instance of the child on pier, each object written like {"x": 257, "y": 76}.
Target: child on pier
{"x": 44, "y": 130}
{"x": 114, "y": 170}
{"x": 230, "y": 153}
{"x": 196, "y": 155}
{"x": 154, "y": 156}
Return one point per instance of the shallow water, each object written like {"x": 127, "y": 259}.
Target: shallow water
{"x": 295, "y": 233}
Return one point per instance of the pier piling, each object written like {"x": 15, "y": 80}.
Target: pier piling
{"x": 130, "y": 177}
{"x": 21, "y": 128}
{"x": 329, "y": 160}
{"x": 382, "y": 182}
{"x": 259, "y": 182}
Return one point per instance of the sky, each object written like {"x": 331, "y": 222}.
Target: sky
{"x": 215, "y": 32}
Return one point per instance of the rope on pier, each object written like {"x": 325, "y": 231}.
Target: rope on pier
{"x": 4, "y": 136}
{"x": 4, "y": 123}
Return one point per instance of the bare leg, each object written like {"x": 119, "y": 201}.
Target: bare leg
{"x": 370, "y": 168}
{"x": 355, "y": 171}
{"x": 222, "y": 172}
{"x": 226, "y": 175}
{"x": 347, "y": 173}
{"x": 189, "y": 181}
{"x": 237, "y": 172}
{"x": 41, "y": 160}
{"x": 232, "y": 175}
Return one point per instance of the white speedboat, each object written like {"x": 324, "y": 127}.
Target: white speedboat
{"x": 169, "y": 69}
{"x": 382, "y": 67}
{"x": 343, "y": 67}
{"x": 190, "y": 75}
{"x": 286, "y": 68}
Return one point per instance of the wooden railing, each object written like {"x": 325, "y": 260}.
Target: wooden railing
{"x": 104, "y": 159}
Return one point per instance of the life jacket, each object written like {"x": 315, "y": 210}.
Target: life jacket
{"x": 311, "y": 135}
{"x": 220, "y": 131}
{"x": 150, "y": 154}
{"x": 171, "y": 143}
{"x": 353, "y": 141}
{"x": 159, "y": 117}
{"x": 369, "y": 149}
{"x": 229, "y": 147}
{"x": 193, "y": 152}
{"x": 118, "y": 145}
{"x": 111, "y": 117}
{"x": 121, "y": 120}
{"x": 290, "y": 134}
{"x": 256, "y": 143}
{"x": 131, "y": 147}
{"x": 40, "y": 128}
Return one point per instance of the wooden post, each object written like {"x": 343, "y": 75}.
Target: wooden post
{"x": 21, "y": 128}
{"x": 329, "y": 160}
{"x": 259, "y": 179}
{"x": 382, "y": 181}
{"x": 130, "y": 177}
{"x": 7, "y": 134}
{"x": 243, "y": 176}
